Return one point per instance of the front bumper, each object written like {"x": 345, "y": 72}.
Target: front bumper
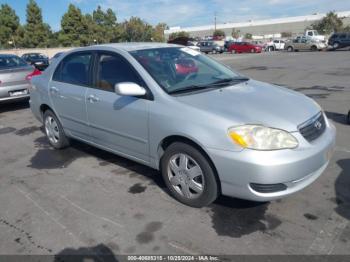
{"x": 295, "y": 169}
{"x": 6, "y": 90}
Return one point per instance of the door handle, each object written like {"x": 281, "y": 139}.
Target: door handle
{"x": 93, "y": 98}
{"x": 54, "y": 90}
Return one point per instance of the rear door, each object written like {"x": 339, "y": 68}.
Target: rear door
{"x": 119, "y": 123}
{"x": 67, "y": 91}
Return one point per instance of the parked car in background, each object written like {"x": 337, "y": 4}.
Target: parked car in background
{"x": 193, "y": 46}
{"x": 227, "y": 43}
{"x": 210, "y": 47}
{"x": 38, "y": 60}
{"x": 275, "y": 45}
{"x": 339, "y": 40}
{"x": 244, "y": 47}
{"x": 314, "y": 35}
{"x": 304, "y": 44}
{"x": 185, "y": 41}
{"x": 209, "y": 130}
{"x": 15, "y": 75}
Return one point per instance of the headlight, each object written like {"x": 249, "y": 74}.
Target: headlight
{"x": 262, "y": 138}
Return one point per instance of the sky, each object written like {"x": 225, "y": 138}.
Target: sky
{"x": 184, "y": 12}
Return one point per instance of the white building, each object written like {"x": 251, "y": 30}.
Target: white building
{"x": 267, "y": 28}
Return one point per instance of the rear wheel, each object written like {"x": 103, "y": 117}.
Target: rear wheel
{"x": 313, "y": 48}
{"x": 252, "y": 50}
{"x": 54, "y": 131}
{"x": 189, "y": 175}
{"x": 290, "y": 49}
{"x": 336, "y": 45}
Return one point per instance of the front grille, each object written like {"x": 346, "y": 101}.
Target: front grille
{"x": 268, "y": 188}
{"x": 313, "y": 128}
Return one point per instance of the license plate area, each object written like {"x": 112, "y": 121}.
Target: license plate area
{"x": 18, "y": 92}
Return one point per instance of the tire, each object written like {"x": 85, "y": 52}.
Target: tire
{"x": 252, "y": 50}
{"x": 183, "y": 184}
{"x": 54, "y": 131}
{"x": 313, "y": 48}
{"x": 335, "y": 45}
{"x": 290, "y": 49}
{"x": 348, "y": 118}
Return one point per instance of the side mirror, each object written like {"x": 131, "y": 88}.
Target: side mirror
{"x": 129, "y": 89}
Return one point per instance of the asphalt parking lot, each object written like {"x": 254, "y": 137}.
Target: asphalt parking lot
{"x": 84, "y": 200}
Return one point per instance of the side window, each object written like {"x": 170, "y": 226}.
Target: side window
{"x": 74, "y": 69}
{"x": 113, "y": 69}
{"x": 334, "y": 36}
{"x": 310, "y": 34}
{"x": 342, "y": 36}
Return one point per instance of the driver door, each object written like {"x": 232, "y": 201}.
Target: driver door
{"x": 119, "y": 123}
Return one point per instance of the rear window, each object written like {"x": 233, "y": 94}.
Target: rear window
{"x": 7, "y": 62}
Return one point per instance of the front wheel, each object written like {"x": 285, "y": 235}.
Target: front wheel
{"x": 290, "y": 49}
{"x": 188, "y": 175}
{"x": 54, "y": 131}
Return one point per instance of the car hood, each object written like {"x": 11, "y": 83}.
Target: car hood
{"x": 255, "y": 102}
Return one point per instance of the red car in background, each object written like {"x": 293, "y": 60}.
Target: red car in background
{"x": 244, "y": 47}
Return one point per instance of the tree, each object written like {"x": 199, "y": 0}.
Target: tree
{"x": 286, "y": 34}
{"x": 158, "y": 32}
{"x": 105, "y": 27}
{"x": 36, "y": 32}
{"x": 235, "y": 33}
{"x": 248, "y": 36}
{"x": 178, "y": 34}
{"x": 74, "y": 28}
{"x": 330, "y": 23}
{"x": 136, "y": 30}
{"x": 218, "y": 33}
{"x": 9, "y": 23}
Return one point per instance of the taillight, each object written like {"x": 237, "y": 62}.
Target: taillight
{"x": 36, "y": 72}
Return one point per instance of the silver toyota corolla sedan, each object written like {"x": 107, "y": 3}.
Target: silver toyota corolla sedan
{"x": 208, "y": 129}
{"x": 15, "y": 74}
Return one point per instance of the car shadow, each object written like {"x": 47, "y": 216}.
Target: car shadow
{"x": 98, "y": 253}
{"x": 337, "y": 117}
{"x": 48, "y": 158}
{"x": 13, "y": 106}
{"x": 342, "y": 189}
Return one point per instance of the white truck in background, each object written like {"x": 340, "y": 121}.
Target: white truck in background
{"x": 314, "y": 35}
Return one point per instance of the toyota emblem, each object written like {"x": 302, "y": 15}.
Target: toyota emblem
{"x": 318, "y": 125}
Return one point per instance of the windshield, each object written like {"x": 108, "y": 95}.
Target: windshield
{"x": 182, "y": 69}
{"x": 7, "y": 62}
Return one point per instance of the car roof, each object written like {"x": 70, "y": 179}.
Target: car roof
{"x": 137, "y": 46}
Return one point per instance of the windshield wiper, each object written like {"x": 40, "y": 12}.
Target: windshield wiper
{"x": 216, "y": 84}
{"x": 190, "y": 89}
{"x": 230, "y": 80}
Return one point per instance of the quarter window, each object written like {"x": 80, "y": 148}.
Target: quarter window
{"x": 74, "y": 69}
{"x": 114, "y": 69}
